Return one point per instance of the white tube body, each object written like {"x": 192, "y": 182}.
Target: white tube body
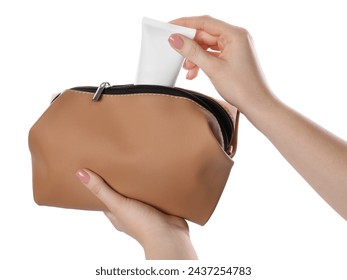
{"x": 159, "y": 63}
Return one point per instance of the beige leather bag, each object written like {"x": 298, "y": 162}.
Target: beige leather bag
{"x": 168, "y": 147}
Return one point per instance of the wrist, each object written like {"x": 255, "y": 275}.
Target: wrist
{"x": 255, "y": 105}
{"x": 263, "y": 113}
{"x": 168, "y": 244}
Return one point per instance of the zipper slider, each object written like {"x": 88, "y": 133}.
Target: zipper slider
{"x": 100, "y": 90}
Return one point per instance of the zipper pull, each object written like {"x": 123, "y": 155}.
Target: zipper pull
{"x": 100, "y": 90}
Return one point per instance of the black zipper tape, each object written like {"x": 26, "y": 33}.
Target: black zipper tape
{"x": 223, "y": 118}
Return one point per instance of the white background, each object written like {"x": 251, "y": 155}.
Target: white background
{"x": 268, "y": 217}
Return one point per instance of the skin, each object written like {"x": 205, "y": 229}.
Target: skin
{"x": 227, "y": 56}
{"x": 161, "y": 236}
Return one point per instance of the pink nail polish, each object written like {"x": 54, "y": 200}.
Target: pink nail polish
{"x": 83, "y": 176}
{"x": 176, "y": 41}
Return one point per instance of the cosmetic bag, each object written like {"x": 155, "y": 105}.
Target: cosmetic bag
{"x": 171, "y": 148}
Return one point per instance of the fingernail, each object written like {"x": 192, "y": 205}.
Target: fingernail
{"x": 83, "y": 176}
{"x": 185, "y": 64}
{"x": 176, "y": 41}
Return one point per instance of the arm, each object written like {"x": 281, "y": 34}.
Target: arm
{"x": 162, "y": 236}
{"x": 226, "y": 54}
{"x": 319, "y": 156}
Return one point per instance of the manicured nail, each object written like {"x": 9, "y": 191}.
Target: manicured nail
{"x": 83, "y": 176}
{"x": 176, "y": 41}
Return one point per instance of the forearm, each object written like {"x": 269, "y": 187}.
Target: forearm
{"x": 319, "y": 156}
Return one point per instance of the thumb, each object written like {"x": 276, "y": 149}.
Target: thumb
{"x": 192, "y": 51}
{"x": 112, "y": 200}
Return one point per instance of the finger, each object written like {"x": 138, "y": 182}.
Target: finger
{"x": 214, "y": 53}
{"x": 214, "y": 48}
{"x": 209, "y": 24}
{"x": 188, "y": 65}
{"x": 193, "y": 69}
{"x": 192, "y": 51}
{"x": 192, "y": 73}
{"x": 100, "y": 189}
{"x": 203, "y": 38}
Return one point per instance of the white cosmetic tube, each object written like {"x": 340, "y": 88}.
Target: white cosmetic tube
{"x": 159, "y": 63}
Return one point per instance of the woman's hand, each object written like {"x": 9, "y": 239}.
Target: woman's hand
{"x": 226, "y": 54}
{"x": 162, "y": 236}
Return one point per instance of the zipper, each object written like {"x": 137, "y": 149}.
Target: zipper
{"x": 223, "y": 118}
{"x": 100, "y": 90}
